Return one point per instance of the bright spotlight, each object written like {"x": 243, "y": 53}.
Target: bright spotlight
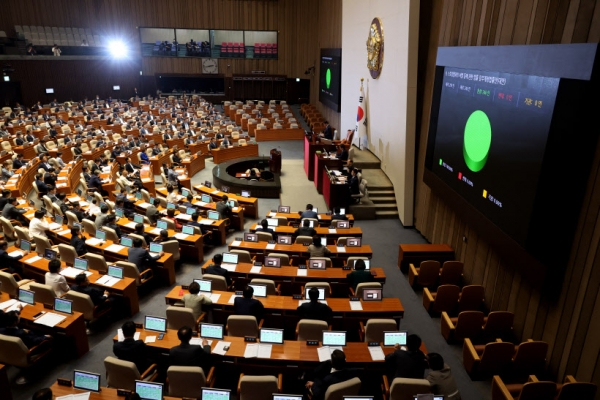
{"x": 117, "y": 49}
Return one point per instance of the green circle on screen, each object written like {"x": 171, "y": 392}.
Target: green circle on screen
{"x": 328, "y": 78}
{"x": 478, "y": 139}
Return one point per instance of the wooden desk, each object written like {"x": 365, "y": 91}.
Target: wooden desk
{"x": 294, "y": 217}
{"x": 415, "y": 253}
{"x": 250, "y": 204}
{"x": 27, "y": 150}
{"x": 331, "y": 237}
{"x": 299, "y": 249}
{"x": 95, "y": 153}
{"x": 194, "y": 165}
{"x": 266, "y": 135}
{"x": 335, "y": 194}
{"x": 321, "y": 162}
{"x": 22, "y": 184}
{"x": 230, "y": 153}
{"x": 310, "y": 147}
{"x": 179, "y": 142}
{"x": 104, "y": 394}
{"x": 126, "y": 287}
{"x": 159, "y": 160}
{"x": 280, "y": 311}
{"x": 245, "y": 175}
{"x": 73, "y": 327}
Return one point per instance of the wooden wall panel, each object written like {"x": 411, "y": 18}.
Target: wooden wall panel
{"x": 295, "y": 21}
{"x": 567, "y": 321}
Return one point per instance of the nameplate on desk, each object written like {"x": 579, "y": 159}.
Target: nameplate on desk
{"x": 373, "y": 344}
{"x": 354, "y": 299}
{"x": 123, "y": 392}
{"x": 139, "y": 326}
{"x": 185, "y": 287}
{"x": 346, "y": 267}
{"x": 239, "y": 239}
{"x": 249, "y": 339}
{"x": 302, "y": 266}
{"x": 297, "y": 297}
{"x": 312, "y": 342}
{"x": 306, "y": 244}
{"x": 64, "y": 382}
{"x": 48, "y": 306}
{"x": 373, "y": 273}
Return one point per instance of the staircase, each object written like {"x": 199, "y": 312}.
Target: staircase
{"x": 381, "y": 193}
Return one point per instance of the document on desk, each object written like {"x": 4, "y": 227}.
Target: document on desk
{"x": 156, "y": 231}
{"x": 33, "y": 259}
{"x": 332, "y": 231}
{"x": 356, "y": 306}
{"x": 107, "y": 280}
{"x": 71, "y": 272}
{"x": 325, "y": 352}
{"x": 255, "y": 350}
{"x": 120, "y": 336}
{"x": 12, "y": 305}
{"x": 78, "y": 396}
{"x": 115, "y": 248}
{"x": 185, "y": 217}
{"x": 214, "y": 191}
{"x": 255, "y": 270}
{"x": 198, "y": 341}
{"x": 214, "y": 297}
{"x": 236, "y": 243}
{"x": 50, "y": 319}
{"x": 206, "y": 221}
{"x": 302, "y": 272}
{"x": 16, "y": 253}
{"x": 64, "y": 232}
{"x": 143, "y": 205}
{"x": 131, "y": 225}
{"x": 181, "y": 236}
{"x": 270, "y": 246}
{"x": 220, "y": 348}
{"x": 93, "y": 241}
{"x": 232, "y": 298}
{"x": 340, "y": 249}
{"x": 200, "y": 203}
{"x": 54, "y": 226}
{"x": 376, "y": 353}
{"x": 229, "y": 267}
{"x": 150, "y": 339}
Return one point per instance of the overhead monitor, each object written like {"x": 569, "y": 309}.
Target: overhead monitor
{"x": 330, "y": 78}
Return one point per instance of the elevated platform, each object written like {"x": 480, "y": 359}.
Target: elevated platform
{"x": 224, "y": 175}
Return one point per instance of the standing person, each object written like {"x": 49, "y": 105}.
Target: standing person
{"x": 56, "y": 50}
{"x": 223, "y": 208}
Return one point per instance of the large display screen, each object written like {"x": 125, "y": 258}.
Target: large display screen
{"x": 330, "y": 78}
{"x": 491, "y": 136}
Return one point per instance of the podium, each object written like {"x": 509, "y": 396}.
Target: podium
{"x": 275, "y": 161}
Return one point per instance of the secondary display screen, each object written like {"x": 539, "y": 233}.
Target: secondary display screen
{"x": 215, "y": 394}
{"x": 492, "y": 130}
{"x": 156, "y": 324}
{"x": 393, "y": 338}
{"x": 211, "y": 331}
{"x": 332, "y": 338}
{"x": 330, "y": 78}
{"x": 86, "y": 381}
{"x": 149, "y": 390}
{"x": 271, "y": 336}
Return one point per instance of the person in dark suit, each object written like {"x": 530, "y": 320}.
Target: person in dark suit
{"x": 327, "y": 132}
{"x": 264, "y": 227}
{"x": 216, "y": 269}
{"x": 213, "y": 144}
{"x": 337, "y": 215}
{"x": 205, "y": 229}
{"x": 359, "y": 275}
{"x": 314, "y": 309}
{"x": 309, "y": 213}
{"x": 19, "y": 140}
{"x": 4, "y": 199}
{"x": 41, "y": 185}
{"x": 18, "y": 162}
{"x": 132, "y": 350}
{"x": 139, "y": 230}
{"x": 408, "y": 363}
{"x": 86, "y": 175}
{"x": 82, "y": 285}
{"x": 77, "y": 242}
{"x": 223, "y": 208}
{"x": 30, "y": 339}
{"x": 130, "y": 167}
{"x": 167, "y": 135}
{"x": 246, "y": 305}
{"x": 140, "y": 256}
{"x": 354, "y": 184}
{"x": 30, "y": 138}
{"x": 95, "y": 182}
{"x": 343, "y": 153}
{"x": 329, "y": 373}
{"x": 305, "y": 230}
{"x": 190, "y": 355}
{"x": 50, "y": 177}
{"x": 6, "y": 260}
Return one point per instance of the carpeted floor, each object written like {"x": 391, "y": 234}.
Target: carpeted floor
{"x": 383, "y": 236}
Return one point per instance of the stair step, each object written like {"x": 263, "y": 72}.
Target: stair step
{"x": 386, "y": 207}
{"x": 382, "y": 195}
{"x": 375, "y": 188}
{"x": 379, "y": 200}
{"x": 381, "y": 192}
{"x": 386, "y": 214}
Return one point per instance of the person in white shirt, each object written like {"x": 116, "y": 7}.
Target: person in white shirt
{"x": 126, "y": 183}
{"x": 56, "y": 280}
{"x": 172, "y": 196}
{"x": 38, "y": 226}
{"x": 56, "y": 50}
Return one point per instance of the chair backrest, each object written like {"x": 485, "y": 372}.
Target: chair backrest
{"x": 375, "y": 328}
{"x": 496, "y": 357}
{"x": 43, "y": 293}
{"x": 41, "y": 244}
{"x": 327, "y": 260}
{"x": 530, "y": 357}
{"x": 96, "y": 262}
{"x": 13, "y": 351}
{"x": 303, "y": 240}
{"x": 133, "y": 235}
{"x": 243, "y": 255}
{"x": 468, "y": 325}
{"x": 22, "y": 233}
{"x": 8, "y": 284}
{"x": 178, "y": 317}
{"x": 471, "y": 298}
{"x": 446, "y": 298}
{"x": 351, "y": 260}
{"x": 121, "y": 374}
{"x": 270, "y": 284}
{"x": 366, "y": 285}
{"x": 538, "y": 391}
{"x": 180, "y": 378}
{"x": 218, "y": 282}
{"x": 81, "y": 303}
{"x": 311, "y": 329}
{"x": 89, "y": 227}
{"x": 172, "y": 246}
{"x": 67, "y": 253}
{"x": 242, "y": 325}
{"x": 8, "y": 228}
{"x": 324, "y": 285}
{"x": 499, "y": 324}
{"x": 285, "y": 259}
{"x": 71, "y": 219}
{"x": 429, "y": 272}
{"x": 337, "y": 391}
{"x": 576, "y": 390}
{"x": 264, "y": 236}
{"x": 170, "y": 223}
{"x": 130, "y": 270}
{"x": 111, "y": 234}
{"x": 407, "y": 388}
{"x": 258, "y": 387}
{"x": 451, "y": 273}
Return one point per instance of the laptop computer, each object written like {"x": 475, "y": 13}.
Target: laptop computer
{"x": 250, "y": 237}
{"x": 212, "y": 331}
{"x": 214, "y": 215}
{"x": 269, "y": 335}
{"x": 205, "y": 285}
{"x": 27, "y": 296}
{"x": 259, "y": 290}
{"x": 119, "y": 212}
{"x": 162, "y": 225}
{"x": 155, "y": 249}
{"x": 81, "y": 263}
{"x": 63, "y": 305}
{"x": 25, "y": 245}
{"x": 272, "y": 221}
{"x": 185, "y": 192}
{"x": 215, "y": 394}
{"x": 225, "y": 189}
{"x": 50, "y": 254}
{"x": 396, "y": 337}
{"x": 190, "y": 211}
{"x": 283, "y": 209}
{"x": 372, "y": 294}
{"x": 171, "y": 206}
{"x": 138, "y": 218}
{"x": 86, "y": 381}
{"x": 343, "y": 225}
{"x": 274, "y": 262}
{"x": 334, "y": 338}
{"x": 100, "y": 235}
{"x": 157, "y": 324}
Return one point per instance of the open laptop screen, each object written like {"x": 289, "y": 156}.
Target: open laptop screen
{"x": 393, "y": 338}
{"x": 250, "y": 237}
{"x": 230, "y": 258}
{"x": 214, "y": 215}
{"x": 353, "y": 242}
{"x": 283, "y": 209}
{"x": 63, "y": 305}
{"x": 271, "y": 336}
{"x": 149, "y": 390}
{"x": 155, "y": 324}
{"x": 245, "y": 193}
{"x": 206, "y": 198}
{"x": 205, "y": 285}
{"x": 81, "y": 263}
{"x": 115, "y": 272}
{"x": 259, "y": 290}
{"x": 86, "y": 381}
{"x": 162, "y": 225}
{"x": 213, "y": 331}
{"x": 317, "y": 264}
{"x": 334, "y": 338}
{"x": 26, "y": 296}
{"x": 188, "y": 230}
{"x": 138, "y": 218}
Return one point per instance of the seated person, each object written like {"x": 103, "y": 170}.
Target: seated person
{"x": 163, "y": 236}
{"x": 38, "y": 226}
{"x": 205, "y": 229}
{"x": 194, "y": 300}
{"x": 141, "y": 257}
{"x": 152, "y": 211}
{"x": 440, "y": 377}
{"x": 190, "y": 355}
{"x": 316, "y": 249}
{"x": 343, "y": 155}
{"x": 54, "y": 279}
{"x": 328, "y": 373}
{"x": 132, "y": 350}
{"x": 359, "y": 275}
{"x": 264, "y": 227}
{"x": 337, "y": 215}
{"x": 12, "y": 262}
{"x": 246, "y": 305}
{"x": 111, "y": 222}
{"x": 77, "y": 241}
{"x": 409, "y": 363}
{"x": 216, "y": 269}
{"x": 11, "y": 328}
{"x": 82, "y": 285}
{"x": 309, "y": 213}
{"x": 139, "y": 230}
{"x": 313, "y": 309}
{"x": 305, "y": 230}
{"x": 171, "y": 216}
{"x": 10, "y": 211}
